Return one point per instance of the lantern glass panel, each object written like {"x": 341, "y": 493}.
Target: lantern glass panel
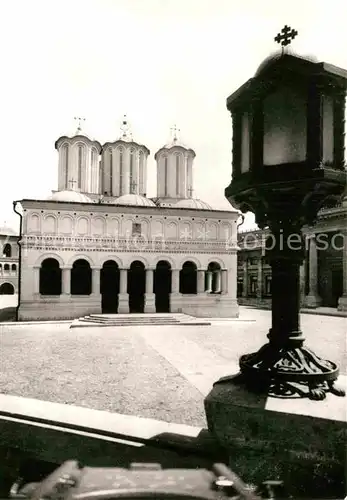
{"x": 328, "y": 128}
{"x": 285, "y": 127}
{"x": 245, "y": 143}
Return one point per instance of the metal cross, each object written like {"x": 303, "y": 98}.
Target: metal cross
{"x": 174, "y": 131}
{"x": 133, "y": 187}
{"x": 125, "y": 128}
{"x": 73, "y": 183}
{"x": 190, "y": 191}
{"x": 80, "y": 119}
{"x": 286, "y": 36}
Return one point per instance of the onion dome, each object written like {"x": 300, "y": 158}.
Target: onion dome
{"x": 193, "y": 203}
{"x": 174, "y": 142}
{"x": 70, "y": 196}
{"x": 134, "y": 200}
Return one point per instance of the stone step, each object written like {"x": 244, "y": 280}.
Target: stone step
{"x": 117, "y": 320}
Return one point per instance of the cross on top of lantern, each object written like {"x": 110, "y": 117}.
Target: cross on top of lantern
{"x": 286, "y": 36}
{"x": 288, "y": 133}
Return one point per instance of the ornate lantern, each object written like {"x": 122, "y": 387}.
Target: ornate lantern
{"x": 288, "y": 158}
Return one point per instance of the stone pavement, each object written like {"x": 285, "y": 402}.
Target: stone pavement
{"x": 155, "y": 372}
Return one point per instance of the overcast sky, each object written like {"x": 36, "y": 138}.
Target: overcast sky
{"x": 159, "y": 61}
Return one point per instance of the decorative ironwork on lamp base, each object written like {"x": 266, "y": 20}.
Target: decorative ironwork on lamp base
{"x": 288, "y": 372}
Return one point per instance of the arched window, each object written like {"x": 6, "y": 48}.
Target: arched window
{"x": 165, "y": 176}
{"x": 6, "y": 289}
{"x": 81, "y": 278}
{"x": 0, "y": 268}
{"x": 111, "y": 171}
{"x": 177, "y": 174}
{"x": 66, "y": 164}
{"x": 188, "y": 278}
{"x": 120, "y": 171}
{"x": 50, "y": 277}
{"x": 93, "y": 157}
{"x": 7, "y": 250}
{"x": 80, "y": 159}
{"x": 6, "y": 267}
{"x": 14, "y": 267}
{"x": 214, "y": 277}
{"x": 132, "y": 184}
{"x": 142, "y": 186}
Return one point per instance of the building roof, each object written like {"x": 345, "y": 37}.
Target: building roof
{"x": 135, "y": 200}
{"x": 193, "y": 203}
{"x": 69, "y": 195}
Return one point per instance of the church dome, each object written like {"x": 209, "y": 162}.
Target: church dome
{"x": 135, "y": 200}
{"x": 193, "y": 203}
{"x": 72, "y": 196}
{"x": 8, "y": 231}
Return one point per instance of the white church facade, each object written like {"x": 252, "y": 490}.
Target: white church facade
{"x": 100, "y": 245}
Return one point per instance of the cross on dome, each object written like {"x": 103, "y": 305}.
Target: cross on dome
{"x": 174, "y": 131}
{"x": 72, "y": 183}
{"x": 126, "y": 134}
{"x": 79, "y": 127}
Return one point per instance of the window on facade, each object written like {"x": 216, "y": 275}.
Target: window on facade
{"x": 215, "y": 270}
{"x": 66, "y": 164}
{"x": 141, "y": 167}
{"x": 136, "y": 229}
{"x": 111, "y": 171}
{"x": 81, "y": 278}
{"x": 239, "y": 287}
{"x": 121, "y": 172}
{"x": 14, "y": 267}
{"x": 253, "y": 285}
{"x": 93, "y": 157}
{"x": 268, "y": 282}
{"x": 50, "y": 277}
{"x": 165, "y": 176}
{"x": 7, "y": 250}
{"x": 177, "y": 174}
{"x": 6, "y": 267}
{"x": 188, "y": 278}
{"x": 80, "y": 159}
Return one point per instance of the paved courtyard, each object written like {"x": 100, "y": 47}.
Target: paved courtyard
{"x": 158, "y": 372}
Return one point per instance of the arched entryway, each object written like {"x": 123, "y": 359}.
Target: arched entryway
{"x": 188, "y": 278}
{"x": 109, "y": 287}
{"x": 81, "y": 278}
{"x": 50, "y": 277}
{"x": 162, "y": 286}
{"x": 136, "y": 287}
{"x": 6, "y": 289}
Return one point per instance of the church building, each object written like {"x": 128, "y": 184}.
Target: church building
{"x": 98, "y": 244}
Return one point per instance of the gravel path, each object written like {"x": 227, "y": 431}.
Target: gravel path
{"x": 160, "y": 372}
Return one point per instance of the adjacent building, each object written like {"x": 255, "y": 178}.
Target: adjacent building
{"x": 323, "y": 274}
{"x": 8, "y": 261}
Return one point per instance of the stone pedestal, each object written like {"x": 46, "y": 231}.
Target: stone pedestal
{"x": 296, "y": 440}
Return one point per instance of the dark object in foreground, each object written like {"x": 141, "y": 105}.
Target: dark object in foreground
{"x": 141, "y": 481}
